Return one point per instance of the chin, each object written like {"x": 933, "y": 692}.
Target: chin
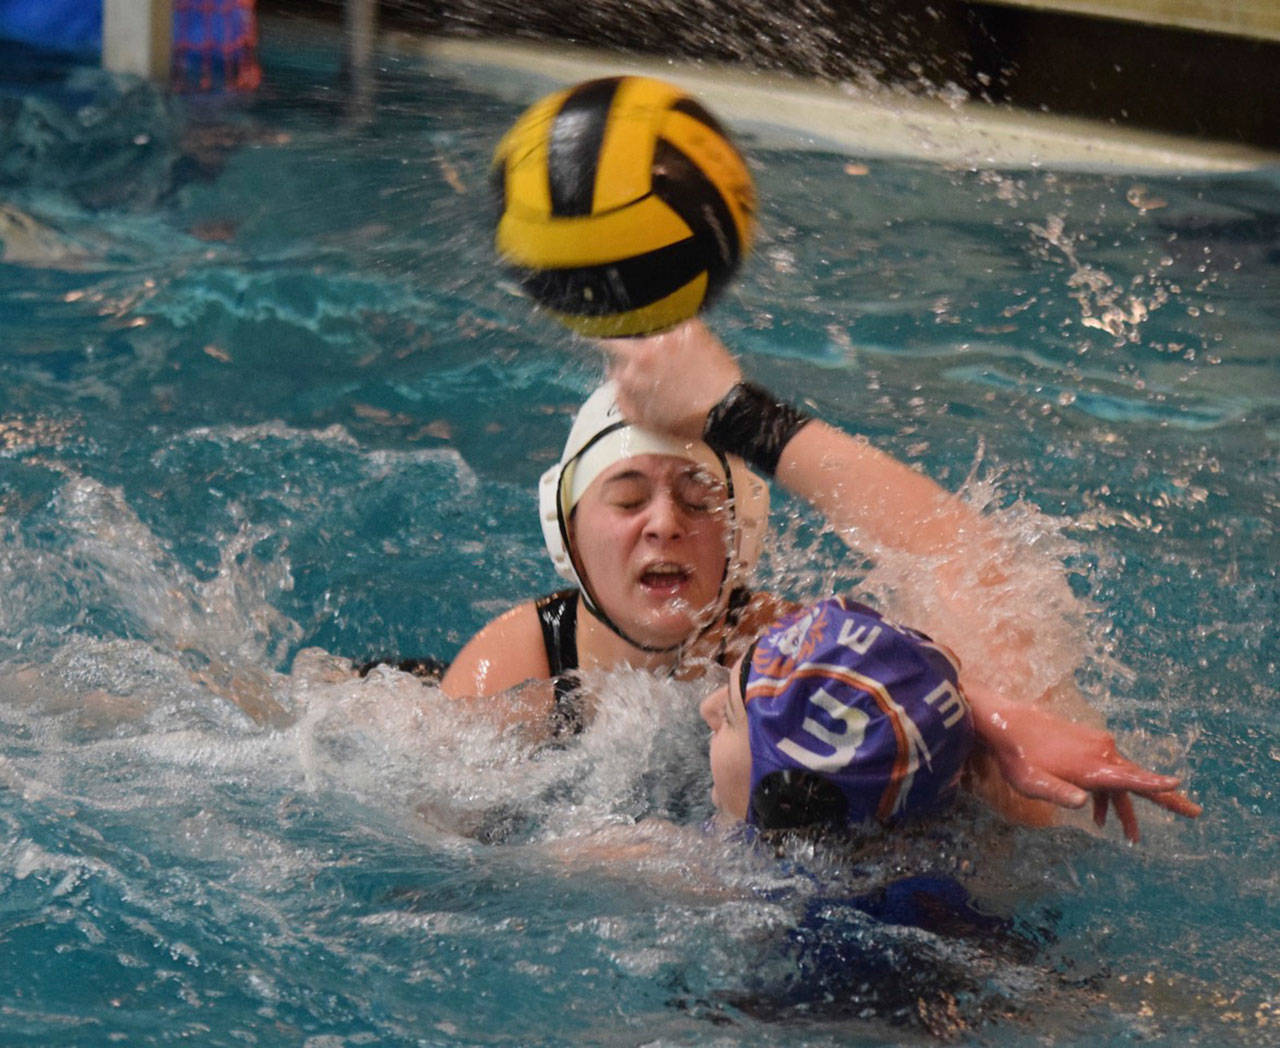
{"x": 665, "y": 637}
{"x": 665, "y": 627}
{"x": 667, "y": 622}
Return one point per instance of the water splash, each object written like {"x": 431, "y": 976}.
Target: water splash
{"x": 326, "y": 874}
{"x": 1104, "y": 305}
{"x": 138, "y": 611}
{"x": 1020, "y": 591}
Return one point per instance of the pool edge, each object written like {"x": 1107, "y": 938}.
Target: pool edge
{"x": 860, "y": 121}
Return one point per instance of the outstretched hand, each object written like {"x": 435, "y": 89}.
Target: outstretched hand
{"x": 669, "y": 382}
{"x": 1047, "y": 758}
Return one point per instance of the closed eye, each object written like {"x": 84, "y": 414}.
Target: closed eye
{"x": 699, "y": 492}
{"x": 627, "y": 492}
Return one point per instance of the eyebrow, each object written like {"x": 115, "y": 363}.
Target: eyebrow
{"x": 625, "y": 475}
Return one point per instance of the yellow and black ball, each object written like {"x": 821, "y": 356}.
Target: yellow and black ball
{"x": 624, "y": 208}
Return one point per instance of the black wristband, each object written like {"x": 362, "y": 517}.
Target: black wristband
{"x": 749, "y": 422}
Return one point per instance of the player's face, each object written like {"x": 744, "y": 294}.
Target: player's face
{"x": 650, "y": 536}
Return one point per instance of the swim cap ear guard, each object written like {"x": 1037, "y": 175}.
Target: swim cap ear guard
{"x": 600, "y": 437}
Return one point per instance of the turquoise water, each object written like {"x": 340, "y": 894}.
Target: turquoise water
{"x": 266, "y": 406}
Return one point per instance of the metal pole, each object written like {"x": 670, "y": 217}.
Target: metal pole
{"x": 137, "y": 37}
{"x": 360, "y": 18}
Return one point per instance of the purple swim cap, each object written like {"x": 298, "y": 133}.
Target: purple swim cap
{"x": 836, "y": 693}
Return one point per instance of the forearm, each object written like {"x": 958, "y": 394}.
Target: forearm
{"x": 862, "y": 490}
{"x": 991, "y": 586}
{"x": 962, "y": 576}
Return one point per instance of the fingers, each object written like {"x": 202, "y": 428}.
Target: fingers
{"x": 1120, "y": 773}
{"x": 627, "y": 372}
{"x": 688, "y": 364}
{"x": 1122, "y": 802}
{"x": 1123, "y": 805}
{"x": 622, "y": 363}
{"x": 1109, "y": 787}
{"x": 1040, "y": 785}
{"x": 1122, "y": 777}
{"x": 645, "y": 353}
{"x": 621, "y": 351}
{"x": 1178, "y": 803}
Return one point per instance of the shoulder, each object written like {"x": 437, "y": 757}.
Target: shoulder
{"x": 506, "y": 652}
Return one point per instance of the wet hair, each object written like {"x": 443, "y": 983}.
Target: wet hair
{"x": 794, "y": 799}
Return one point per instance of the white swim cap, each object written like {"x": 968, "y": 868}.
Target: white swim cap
{"x": 600, "y": 436}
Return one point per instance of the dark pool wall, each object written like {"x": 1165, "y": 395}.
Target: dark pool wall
{"x": 1210, "y": 85}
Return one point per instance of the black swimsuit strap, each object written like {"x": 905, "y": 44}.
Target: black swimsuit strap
{"x": 558, "y": 617}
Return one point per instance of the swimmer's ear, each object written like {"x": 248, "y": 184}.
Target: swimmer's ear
{"x": 789, "y": 800}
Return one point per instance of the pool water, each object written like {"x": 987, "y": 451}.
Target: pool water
{"x": 267, "y": 406}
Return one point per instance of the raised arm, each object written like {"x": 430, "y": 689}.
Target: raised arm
{"x": 673, "y": 381}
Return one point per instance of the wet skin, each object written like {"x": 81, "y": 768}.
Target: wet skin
{"x": 649, "y": 535}
{"x": 726, "y": 715}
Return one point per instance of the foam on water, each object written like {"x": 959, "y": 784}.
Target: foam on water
{"x": 200, "y": 799}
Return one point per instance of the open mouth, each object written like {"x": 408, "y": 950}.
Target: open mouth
{"x": 664, "y": 578}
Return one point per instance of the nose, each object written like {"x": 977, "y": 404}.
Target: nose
{"x": 711, "y": 707}
{"x": 666, "y": 520}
